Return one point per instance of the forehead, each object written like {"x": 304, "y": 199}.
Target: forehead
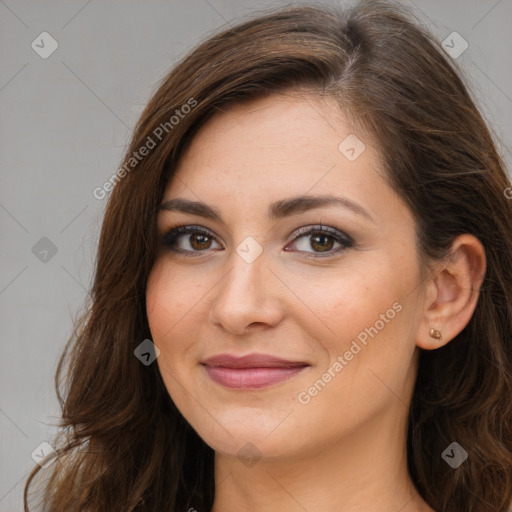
{"x": 282, "y": 141}
{"x": 276, "y": 124}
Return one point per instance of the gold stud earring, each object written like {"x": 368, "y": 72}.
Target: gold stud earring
{"x": 434, "y": 333}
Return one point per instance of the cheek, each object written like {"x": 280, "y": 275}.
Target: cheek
{"x": 369, "y": 316}
{"x": 166, "y": 310}
{"x": 160, "y": 303}
{"x": 171, "y": 297}
{"x": 354, "y": 301}
{"x": 176, "y": 309}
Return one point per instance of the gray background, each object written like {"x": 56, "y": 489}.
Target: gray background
{"x": 65, "y": 122}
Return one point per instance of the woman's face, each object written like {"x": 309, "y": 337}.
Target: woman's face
{"x": 340, "y": 302}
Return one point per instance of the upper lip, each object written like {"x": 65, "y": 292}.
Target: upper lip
{"x": 251, "y": 361}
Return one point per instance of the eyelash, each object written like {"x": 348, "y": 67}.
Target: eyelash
{"x": 170, "y": 238}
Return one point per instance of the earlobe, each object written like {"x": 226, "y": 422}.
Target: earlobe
{"x": 452, "y": 293}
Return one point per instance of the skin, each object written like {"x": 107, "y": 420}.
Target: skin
{"x": 344, "y": 450}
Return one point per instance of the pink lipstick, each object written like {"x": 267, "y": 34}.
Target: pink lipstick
{"x": 253, "y": 371}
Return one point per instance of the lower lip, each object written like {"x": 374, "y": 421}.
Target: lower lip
{"x": 251, "y": 378}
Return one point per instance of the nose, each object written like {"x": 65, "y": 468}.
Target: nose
{"x": 247, "y": 297}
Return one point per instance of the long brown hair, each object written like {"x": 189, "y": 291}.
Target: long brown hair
{"x": 123, "y": 444}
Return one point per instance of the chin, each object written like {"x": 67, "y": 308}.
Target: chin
{"x": 247, "y": 434}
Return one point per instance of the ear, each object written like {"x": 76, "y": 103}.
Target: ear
{"x": 452, "y": 291}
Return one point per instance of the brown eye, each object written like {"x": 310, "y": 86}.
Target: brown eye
{"x": 188, "y": 239}
{"x": 322, "y": 240}
{"x": 199, "y": 241}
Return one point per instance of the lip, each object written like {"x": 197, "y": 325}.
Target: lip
{"x": 252, "y": 371}
{"x": 251, "y": 361}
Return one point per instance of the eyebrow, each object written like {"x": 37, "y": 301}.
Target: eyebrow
{"x": 277, "y": 210}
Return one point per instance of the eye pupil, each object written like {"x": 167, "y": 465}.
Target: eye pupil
{"x": 322, "y": 239}
{"x": 200, "y": 239}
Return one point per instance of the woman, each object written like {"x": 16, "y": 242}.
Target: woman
{"x": 302, "y": 297}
